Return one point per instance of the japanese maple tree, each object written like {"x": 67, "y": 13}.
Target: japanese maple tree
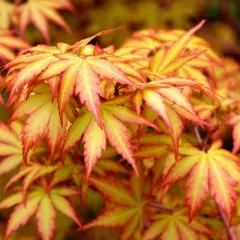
{"x": 141, "y": 126}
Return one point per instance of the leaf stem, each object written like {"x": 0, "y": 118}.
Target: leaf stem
{"x": 199, "y": 138}
{"x": 230, "y": 233}
{"x": 160, "y": 206}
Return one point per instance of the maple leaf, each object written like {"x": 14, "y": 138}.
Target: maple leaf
{"x": 215, "y": 171}
{"x": 1, "y": 99}
{"x": 30, "y": 173}
{"x": 174, "y": 226}
{"x": 235, "y": 121}
{"x": 8, "y": 43}
{"x": 10, "y": 147}
{"x": 37, "y": 13}
{"x": 95, "y": 138}
{"x": 128, "y": 209}
{"x": 42, "y": 121}
{"x": 79, "y": 75}
{"x": 160, "y": 100}
{"x": 43, "y": 204}
{"x": 5, "y": 14}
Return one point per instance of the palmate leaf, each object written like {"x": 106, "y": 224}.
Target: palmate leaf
{"x": 43, "y": 204}
{"x": 8, "y": 43}
{"x": 10, "y": 147}
{"x": 215, "y": 171}
{"x": 160, "y": 100}
{"x": 68, "y": 73}
{"x": 128, "y": 209}
{"x": 95, "y": 138}
{"x": 42, "y": 121}
{"x": 235, "y": 121}
{"x": 38, "y": 12}
{"x": 175, "y": 226}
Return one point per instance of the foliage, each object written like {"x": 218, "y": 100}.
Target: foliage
{"x": 140, "y": 128}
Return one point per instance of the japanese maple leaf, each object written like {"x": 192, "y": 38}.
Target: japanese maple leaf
{"x": 29, "y": 174}
{"x": 94, "y": 137}
{"x": 5, "y": 14}
{"x": 42, "y": 204}
{"x": 37, "y": 12}
{"x": 174, "y": 226}
{"x": 127, "y": 209}
{"x": 160, "y": 100}
{"x": 68, "y": 73}
{"x": 8, "y": 43}
{"x": 1, "y": 99}
{"x": 42, "y": 121}
{"x": 235, "y": 121}
{"x": 10, "y": 147}
{"x": 215, "y": 171}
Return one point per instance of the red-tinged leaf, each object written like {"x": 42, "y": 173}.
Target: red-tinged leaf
{"x": 29, "y": 106}
{"x": 12, "y": 200}
{"x": 168, "y": 163}
{"x": 24, "y": 20}
{"x": 130, "y": 228}
{"x": 173, "y": 226}
{"x": 108, "y": 165}
{"x": 55, "y": 68}
{"x": 76, "y": 131}
{"x": 21, "y": 215}
{"x": 119, "y": 137}
{"x": 37, "y": 172}
{"x": 26, "y": 74}
{"x": 156, "y": 229}
{"x": 185, "y": 232}
{"x": 155, "y": 101}
{"x": 45, "y": 216}
{"x": 18, "y": 176}
{"x": 137, "y": 100}
{"x": 181, "y": 169}
{"x": 174, "y": 95}
{"x": 127, "y": 115}
{"x": 55, "y": 17}
{"x": 1, "y": 99}
{"x": 236, "y": 138}
{"x": 94, "y": 143}
{"x": 63, "y": 206}
{"x": 108, "y": 70}
{"x": 215, "y": 171}
{"x": 222, "y": 188}
{"x": 177, "y": 129}
{"x": 39, "y": 21}
{"x": 88, "y": 89}
{"x": 130, "y": 71}
{"x": 179, "y": 62}
{"x": 179, "y": 46}
{"x": 65, "y": 191}
{"x": 13, "y": 42}
{"x": 113, "y": 218}
{"x": 35, "y": 128}
{"x": 115, "y": 192}
{"x": 151, "y": 152}
{"x": 197, "y": 187}
{"x": 56, "y": 131}
{"x": 9, "y": 163}
{"x": 54, "y": 84}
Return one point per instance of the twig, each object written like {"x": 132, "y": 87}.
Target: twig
{"x": 160, "y": 206}
{"x": 230, "y": 233}
{"x": 199, "y": 138}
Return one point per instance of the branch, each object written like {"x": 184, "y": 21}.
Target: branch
{"x": 230, "y": 233}
{"x": 160, "y": 206}
{"x": 199, "y": 138}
